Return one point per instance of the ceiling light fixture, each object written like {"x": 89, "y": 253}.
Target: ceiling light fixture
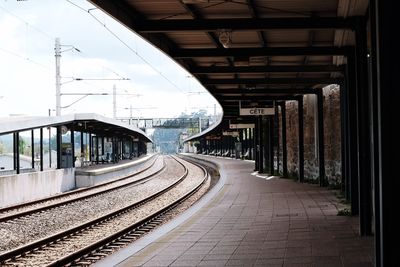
{"x": 225, "y": 38}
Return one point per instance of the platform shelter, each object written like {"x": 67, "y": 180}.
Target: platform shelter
{"x": 39, "y": 155}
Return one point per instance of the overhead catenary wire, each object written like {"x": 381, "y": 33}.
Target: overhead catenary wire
{"x": 88, "y": 11}
{"x": 16, "y": 54}
{"x": 25, "y": 58}
{"x": 48, "y": 36}
{"x": 27, "y": 23}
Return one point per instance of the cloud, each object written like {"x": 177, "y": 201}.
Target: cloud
{"x": 9, "y": 38}
{"x": 29, "y": 88}
{"x": 142, "y": 69}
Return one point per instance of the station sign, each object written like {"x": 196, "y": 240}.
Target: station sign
{"x": 241, "y": 125}
{"x": 233, "y": 134}
{"x": 256, "y": 111}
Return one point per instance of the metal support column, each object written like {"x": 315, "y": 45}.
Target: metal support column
{"x": 256, "y": 144}
{"x": 244, "y": 140}
{"x": 284, "y": 143}
{"x": 114, "y": 151}
{"x": 321, "y": 143}
{"x": 82, "y": 147}
{"x": 276, "y": 133}
{"x": 242, "y": 137}
{"x": 385, "y": 96}
{"x": 91, "y": 148}
{"x": 16, "y": 152}
{"x": 261, "y": 144}
{"x": 364, "y": 149}
{"x": 49, "y": 144}
{"x": 301, "y": 138}
{"x": 32, "y": 150}
{"x": 41, "y": 149}
{"x": 266, "y": 142}
{"x": 345, "y": 151}
{"x": 97, "y": 149}
{"x": 73, "y": 146}
{"x": 59, "y": 140}
{"x": 102, "y": 145}
{"x": 251, "y": 143}
{"x": 353, "y": 133}
{"x": 271, "y": 121}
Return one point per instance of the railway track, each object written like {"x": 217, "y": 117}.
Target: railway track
{"x": 36, "y": 225}
{"x": 40, "y": 205}
{"x": 90, "y": 241}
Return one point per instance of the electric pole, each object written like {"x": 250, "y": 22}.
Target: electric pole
{"x": 57, "y": 50}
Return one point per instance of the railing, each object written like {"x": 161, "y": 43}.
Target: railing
{"x": 167, "y": 122}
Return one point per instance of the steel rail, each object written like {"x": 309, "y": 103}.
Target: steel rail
{"x": 77, "y": 191}
{"x": 54, "y": 205}
{"x": 84, "y": 252}
{"x": 37, "y": 245}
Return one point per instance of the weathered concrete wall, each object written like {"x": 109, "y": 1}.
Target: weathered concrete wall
{"x": 29, "y": 186}
{"x": 331, "y": 135}
{"x": 292, "y": 137}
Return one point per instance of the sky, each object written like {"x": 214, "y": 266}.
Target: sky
{"x": 148, "y": 83}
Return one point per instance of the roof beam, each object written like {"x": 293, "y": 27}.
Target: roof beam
{"x": 310, "y": 81}
{"x": 263, "y": 69}
{"x": 127, "y": 15}
{"x": 254, "y": 14}
{"x": 196, "y": 14}
{"x": 264, "y": 91}
{"x": 225, "y": 99}
{"x": 261, "y": 51}
{"x": 240, "y": 24}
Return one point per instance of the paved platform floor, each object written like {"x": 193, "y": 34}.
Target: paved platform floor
{"x": 258, "y": 221}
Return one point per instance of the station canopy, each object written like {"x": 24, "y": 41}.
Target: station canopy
{"x": 86, "y": 122}
{"x": 249, "y": 52}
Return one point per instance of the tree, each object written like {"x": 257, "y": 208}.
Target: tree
{"x": 22, "y": 145}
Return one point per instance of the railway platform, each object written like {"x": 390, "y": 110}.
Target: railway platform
{"x": 249, "y": 219}
{"x": 100, "y": 173}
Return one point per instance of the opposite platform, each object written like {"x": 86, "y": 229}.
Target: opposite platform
{"x": 254, "y": 220}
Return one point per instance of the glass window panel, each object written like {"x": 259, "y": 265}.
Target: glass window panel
{"x": 25, "y": 150}
{"x": 46, "y": 148}
{"x": 6, "y": 153}
{"x": 53, "y": 148}
{"x": 36, "y": 148}
{"x": 77, "y": 148}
